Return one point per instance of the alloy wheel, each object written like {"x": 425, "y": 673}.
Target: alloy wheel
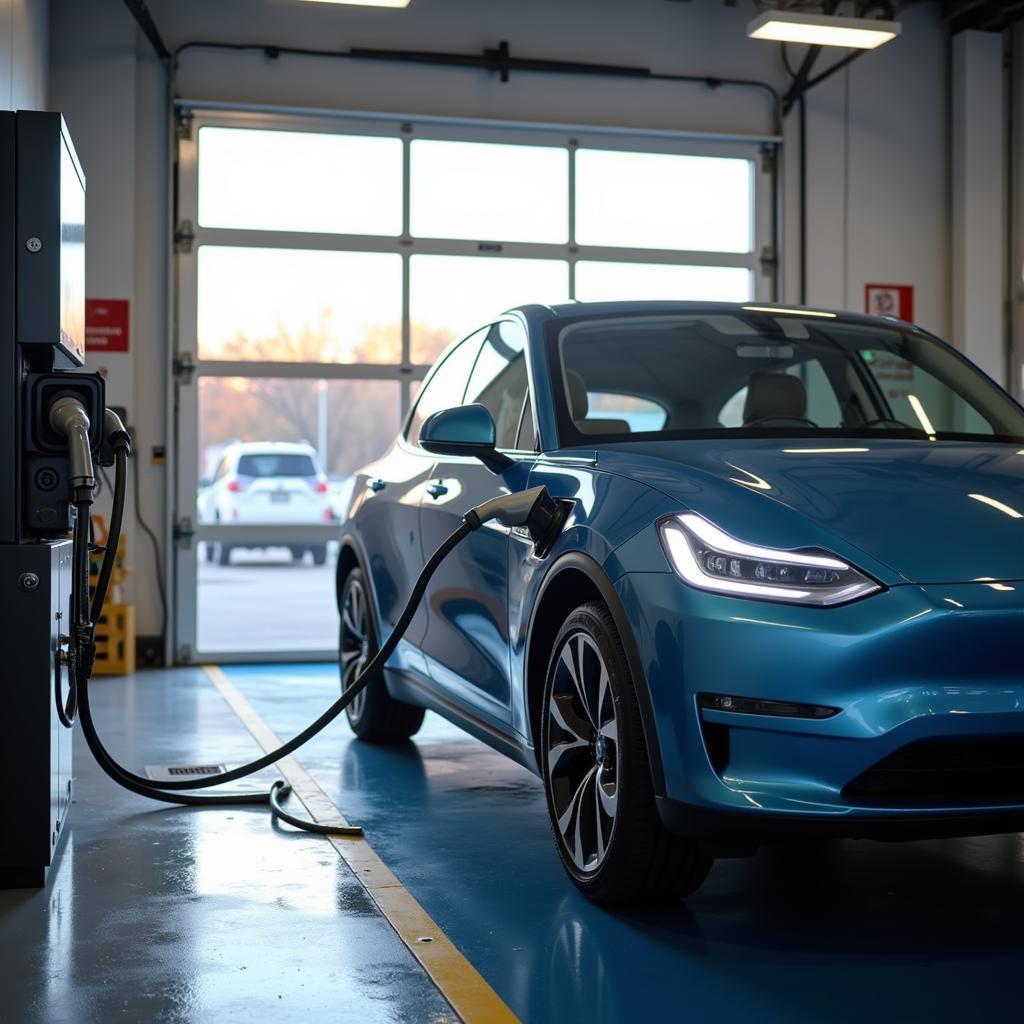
{"x": 355, "y": 642}
{"x": 583, "y": 752}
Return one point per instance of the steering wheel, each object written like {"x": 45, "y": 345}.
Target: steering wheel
{"x": 803, "y": 420}
{"x": 888, "y": 421}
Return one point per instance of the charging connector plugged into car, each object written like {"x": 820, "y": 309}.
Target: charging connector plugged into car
{"x": 535, "y": 510}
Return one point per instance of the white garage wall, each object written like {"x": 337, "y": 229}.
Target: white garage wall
{"x": 878, "y": 195}
{"x": 23, "y": 58}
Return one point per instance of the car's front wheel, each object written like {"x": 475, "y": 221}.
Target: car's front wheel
{"x": 373, "y": 714}
{"x": 597, "y": 774}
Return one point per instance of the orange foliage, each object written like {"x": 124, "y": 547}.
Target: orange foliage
{"x": 362, "y": 415}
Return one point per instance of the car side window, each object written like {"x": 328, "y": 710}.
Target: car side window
{"x": 446, "y": 386}
{"x": 222, "y": 468}
{"x": 919, "y": 399}
{"x": 499, "y": 380}
{"x": 527, "y": 440}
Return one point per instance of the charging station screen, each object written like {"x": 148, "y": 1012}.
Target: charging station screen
{"x": 72, "y": 257}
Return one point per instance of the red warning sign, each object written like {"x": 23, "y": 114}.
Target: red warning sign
{"x": 890, "y": 300}
{"x": 106, "y": 325}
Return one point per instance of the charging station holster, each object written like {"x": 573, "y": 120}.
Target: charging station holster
{"x": 46, "y": 495}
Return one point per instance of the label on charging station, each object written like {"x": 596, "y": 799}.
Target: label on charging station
{"x": 106, "y": 325}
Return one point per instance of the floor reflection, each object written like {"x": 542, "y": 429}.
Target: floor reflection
{"x": 841, "y": 931}
{"x": 157, "y": 913}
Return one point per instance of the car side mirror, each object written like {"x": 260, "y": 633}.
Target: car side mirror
{"x": 468, "y": 431}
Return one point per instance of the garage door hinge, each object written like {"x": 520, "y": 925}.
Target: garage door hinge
{"x": 184, "y": 368}
{"x": 769, "y": 261}
{"x": 184, "y": 236}
{"x": 184, "y": 655}
{"x": 769, "y": 154}
{"x": 183, "y": 124}
{"x": 184, "y": 531}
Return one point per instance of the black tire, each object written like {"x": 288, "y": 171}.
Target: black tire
{"x": 617, "y": 852}
{"x": 298, "y": 554}
{"x": 319, "y": 554}
{"x": 223, "y": 553}
{"x": 374, "y": 715}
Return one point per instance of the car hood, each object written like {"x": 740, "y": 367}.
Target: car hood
{"x": 932, "y": 512}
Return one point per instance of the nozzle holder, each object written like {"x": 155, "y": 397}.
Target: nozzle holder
{"x": 45, "y": 390}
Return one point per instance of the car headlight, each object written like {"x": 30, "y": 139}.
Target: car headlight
{"x": 709, "y": 559}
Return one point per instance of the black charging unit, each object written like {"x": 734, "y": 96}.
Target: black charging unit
{"x": 42, "y": 350}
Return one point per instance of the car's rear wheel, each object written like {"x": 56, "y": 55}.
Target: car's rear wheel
{"x": 223, "y": 553}
{"x": 373, "y": 714}
{"x": 319, "y": 554}
{"x": 597, "y": 775}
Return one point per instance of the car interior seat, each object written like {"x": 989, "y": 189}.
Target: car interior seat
{"x": 687, "y": 414}
{"x": 579, "y": 406}
{"x": 774, "y": 396}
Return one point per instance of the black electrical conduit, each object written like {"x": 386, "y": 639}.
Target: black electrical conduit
{"x": 499, "y": 61}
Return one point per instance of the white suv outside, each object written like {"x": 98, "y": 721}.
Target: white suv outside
{"x": 269, "y": 482}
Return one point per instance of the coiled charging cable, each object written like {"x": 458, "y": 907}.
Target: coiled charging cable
{"x": 534, "y": 509}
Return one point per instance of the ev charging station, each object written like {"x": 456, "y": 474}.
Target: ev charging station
{"x": 42, "y": 476}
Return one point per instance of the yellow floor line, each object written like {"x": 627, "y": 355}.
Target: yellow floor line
{"x": 458, "y": 980}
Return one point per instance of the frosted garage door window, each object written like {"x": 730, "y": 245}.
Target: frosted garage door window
{"x": 449, "y": 296}
{"x": 489, "y": 191}
{"x": 615, "y": 282}
{"x": 299, "y": 305}
{"x": 299, "y": 181}
{"x": 662, "y": 201}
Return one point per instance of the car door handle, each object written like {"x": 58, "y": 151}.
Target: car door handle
{"x": 376, "y": 485}
{"x": 436, "y": 490}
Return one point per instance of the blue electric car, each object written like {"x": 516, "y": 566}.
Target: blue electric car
{"x": 787, "y": 599}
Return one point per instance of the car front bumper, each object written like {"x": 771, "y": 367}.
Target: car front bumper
{"x": 927, "y": 679}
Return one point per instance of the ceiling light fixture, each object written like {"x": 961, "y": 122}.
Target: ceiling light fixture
{"x": 364, "y": 3}
{"x": 822, "y": 29}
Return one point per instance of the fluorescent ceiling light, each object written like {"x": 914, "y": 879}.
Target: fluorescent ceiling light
{"x": 822, "y": 29}
{"x": 364, "y": 3}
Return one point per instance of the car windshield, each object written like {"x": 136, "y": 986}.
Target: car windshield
{"x": 758, "y": 373}
{"x": 276, "y": 464}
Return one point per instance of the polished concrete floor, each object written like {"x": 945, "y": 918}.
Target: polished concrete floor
{"x": 212, "y": 916}
{"x": 182, "y": 915}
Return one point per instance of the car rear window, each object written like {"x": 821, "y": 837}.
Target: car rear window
{"x": 276, "y": 464}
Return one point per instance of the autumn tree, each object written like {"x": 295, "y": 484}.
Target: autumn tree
{"x": 361, "y": 415}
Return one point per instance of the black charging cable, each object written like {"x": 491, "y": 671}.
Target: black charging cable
{"x": 535, "y": 509}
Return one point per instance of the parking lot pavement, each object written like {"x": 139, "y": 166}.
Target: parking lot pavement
{"x": 265, "y": 602}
